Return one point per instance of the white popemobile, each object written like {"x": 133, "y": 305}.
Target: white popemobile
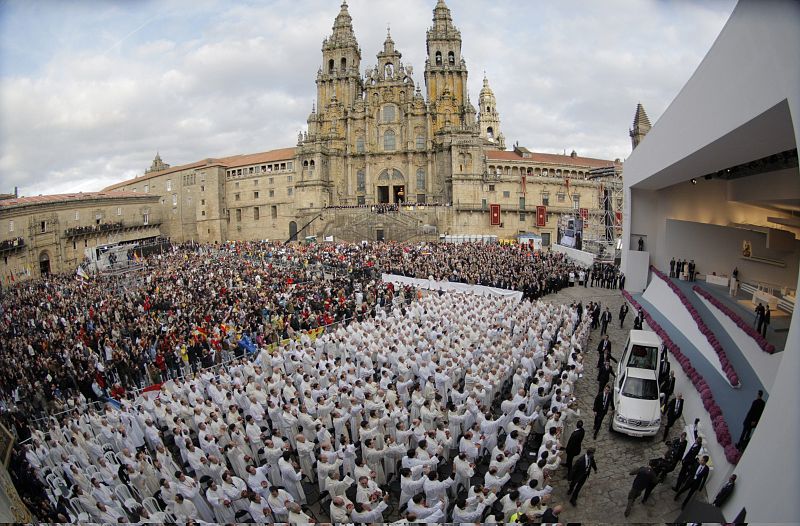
{"x": 636, "y": 393}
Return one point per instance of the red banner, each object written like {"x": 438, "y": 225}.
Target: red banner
{"x": 541, "y": 215}
{"x": 584, "y": 213}
{"x": 619, "y": 218}
{"x": 494, "y": 215}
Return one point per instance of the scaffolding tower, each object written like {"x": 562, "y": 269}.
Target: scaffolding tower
{"x": 602, "y": 229}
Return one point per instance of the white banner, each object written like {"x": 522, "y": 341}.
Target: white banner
{"x": 432, "y": 284}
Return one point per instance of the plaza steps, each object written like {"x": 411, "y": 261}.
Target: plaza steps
{"x": 357, "y": 224}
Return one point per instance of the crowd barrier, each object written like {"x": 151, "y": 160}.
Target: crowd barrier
{"x": 432, "y": 284}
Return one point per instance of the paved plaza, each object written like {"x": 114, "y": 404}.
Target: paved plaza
{"x": 604, "y": 496}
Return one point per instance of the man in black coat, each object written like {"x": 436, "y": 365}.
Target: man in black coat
{"x": 623, "y": 311}
{"x": 673, "y": 413}
{"x": 574, "y": 446}
{"x": 550, "y": 515}
{"x": 751, "y": 420}
{"x": 645, "y": 480}
{"x": 677, "y": 448}
{"x": 725, "y": 492}
{"x": 580, "y": 472}
{"x": 672, "y": 268}
{"x": 604, "y": 344}
{"x": 638, "y": 321}
{"x": 604, "y": 375}
{"x": 689, "y": 463}
{"x": 695, "y": 481}
{"x": 602, "y": 403}
{"x": 605, "y": 319}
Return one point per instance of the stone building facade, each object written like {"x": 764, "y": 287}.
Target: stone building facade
{"x": 50, "y": 234}
{"x": 380, "y": 138}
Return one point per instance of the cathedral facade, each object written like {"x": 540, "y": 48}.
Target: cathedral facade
{"x": 384, "y": 158}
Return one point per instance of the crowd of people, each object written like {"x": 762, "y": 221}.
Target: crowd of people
{"x": 229, "y": 332}
{"x": 443, "y": 398}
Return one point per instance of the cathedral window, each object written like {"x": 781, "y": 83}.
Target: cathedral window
{"x": 421, "y": 179}
{"x": 490, "y": 133}
{"x": 438, "y": 58}
{"x": 451, "y": 58}
{"x": 389, "y": 141}
{"x": 420, "y": 142}
{"x": 330, "y": 66}
{"x": 344, "y": 64}
{"x": 359, "y": 144}
{"x": 388, "y": 113}
{"x": 361, "y": 181}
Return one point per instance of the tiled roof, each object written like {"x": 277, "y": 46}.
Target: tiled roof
{"x": 550, "y": 158}
{"x": 57, "y": 198}
{"x": 281, "y": 154}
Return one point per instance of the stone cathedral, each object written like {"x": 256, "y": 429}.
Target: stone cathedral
{"x": 383, "y": 157}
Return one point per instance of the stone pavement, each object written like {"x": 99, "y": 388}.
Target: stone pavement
{"x": 604, "y": 496}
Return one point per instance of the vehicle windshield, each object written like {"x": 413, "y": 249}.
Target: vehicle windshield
{"x": 640, "y": 388}
{"x": 643, "y": 357}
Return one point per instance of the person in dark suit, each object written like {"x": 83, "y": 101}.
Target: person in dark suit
{"x": 644, "y": 481}
{"x": 550, "y": 515}
{"x": 602, "y": 403}
{"x": 725, "y": 492}
{"x": 695, "y": 481}
{"x": 604, "y": 344}
{"x": 759, "y": 317}
{"x": 672, "y": 268}
{"x": 574, "y": 446}
{"x": 766, "y": 322}
{"x": 751, "y": 420}
{"x": 580, "y": 473}
{"x": 673, "y": 413}
{"x": 621, "y": 281}
{"x": 638, "y": 321}
{"x": 605, "y": 319}
{"x": 677, "y": 448}
{"x": 604, "y": 375}
{"x": 688, "y": 463}
{"x": 623, "y": 311}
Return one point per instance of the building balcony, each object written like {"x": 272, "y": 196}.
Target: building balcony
{"x": 105, "y": 228}
{"x": 12, "y": 245}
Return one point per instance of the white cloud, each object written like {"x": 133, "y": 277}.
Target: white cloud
{"x": 203, "y": 79}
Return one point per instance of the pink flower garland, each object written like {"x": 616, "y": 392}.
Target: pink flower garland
{"x": 746, "y": 327}
{"x": 714, "y": 411}
{"x": 727, "y": 367}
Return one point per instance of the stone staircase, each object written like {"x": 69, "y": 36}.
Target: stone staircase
{"x": 358, "y": 224}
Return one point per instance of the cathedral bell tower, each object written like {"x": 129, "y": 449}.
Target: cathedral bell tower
{"x": 641, "y": 126}
{"x": 445, "y": 71}
{"x": 488, "y": 118}
{"x": 339, "y": 77}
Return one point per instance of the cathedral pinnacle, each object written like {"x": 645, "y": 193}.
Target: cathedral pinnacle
{"x": 641, "y": 126}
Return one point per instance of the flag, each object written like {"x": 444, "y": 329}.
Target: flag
{"x": 81, "y": 273}
{"x": 523, "y": 180}
{"x": 567, "y": 183}
{"x": 494, "y": 215}
{"x": 541, "y": 215}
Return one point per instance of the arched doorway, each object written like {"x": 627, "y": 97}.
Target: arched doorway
{"x": 391, "y": 187}
{"x": 44, "y": 263}
{"x": 292, "y": 231}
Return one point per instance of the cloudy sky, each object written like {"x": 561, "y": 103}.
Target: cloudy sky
{"x": 90, "y": 90}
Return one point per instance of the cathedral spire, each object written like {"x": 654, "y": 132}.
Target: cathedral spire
{"x": 641, "y": 126}
{"x": 343, "y": 25}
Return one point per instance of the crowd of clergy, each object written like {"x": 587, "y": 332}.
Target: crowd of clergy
{"x": 431, "y": 407}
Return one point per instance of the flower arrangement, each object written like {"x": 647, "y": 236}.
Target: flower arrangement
{"x": 727, "y": 367}
{"x": 714, "y": 411}
{"x": 746, "y": 327}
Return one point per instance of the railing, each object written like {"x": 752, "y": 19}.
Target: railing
{"x": 12, "y": 244}
{"x": 104, "y": 228}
